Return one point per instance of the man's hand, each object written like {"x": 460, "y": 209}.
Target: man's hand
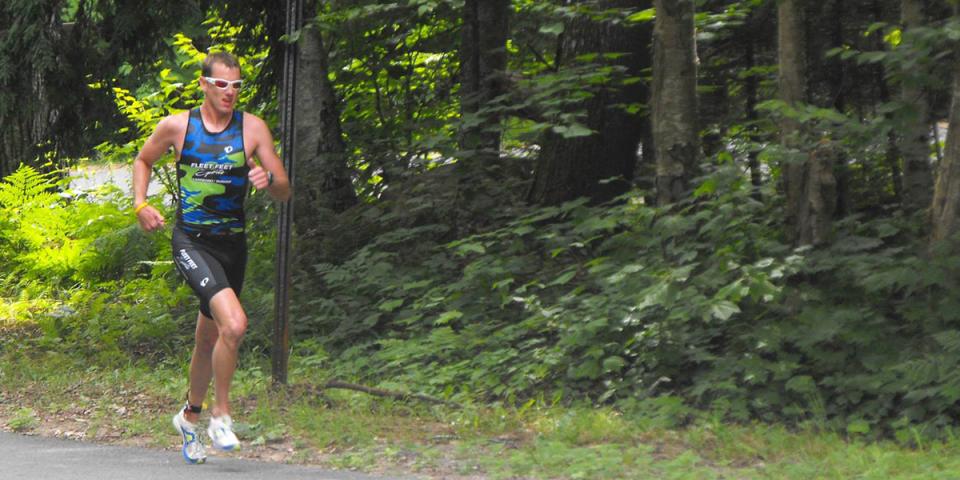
{"x": 150, "y": 219}
{"x": 259, "y": 177}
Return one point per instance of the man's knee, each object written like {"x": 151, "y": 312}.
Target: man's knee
{"x": 229, "y": 315}
{"x": 233, "y": 327}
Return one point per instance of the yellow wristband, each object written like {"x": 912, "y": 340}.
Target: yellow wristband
{"x": 140, "y": 207}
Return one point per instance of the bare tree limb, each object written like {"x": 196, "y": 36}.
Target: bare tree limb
{"x": 379, "y": 392}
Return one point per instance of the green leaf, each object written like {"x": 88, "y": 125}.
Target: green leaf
{"x": 801, "y": 384}
{"x": 855, "y": 243}
{"x": 708, "y": 187}
{"x": 886, "y": 229}
{"x": 292, "y": 38}
{"x": 391, "y": 305}
{"x": 949, "y": 340}
{"x": 614, "y": 363}
{"x": 572, "y": 131}
{"x": 417, "y": 284}
{"x": 835, "y": 51}
{"x": 871, "y": 57}
{"x": 861, "y": 427}
{"x": 447, "y": 316}
{"x": 655, "y": 295}
{"x": 723, "y": 310}
{"x": 643, "y": 16}
{"x": 894, "y": 38}
{"x": 706, "y": 36}
{"x": 566, "y": 277}
{"x": 874, "y": 27}
{"x": 470, "y": 247}
{"x": 589, "y": 368}
{"x": 554, "y": 29}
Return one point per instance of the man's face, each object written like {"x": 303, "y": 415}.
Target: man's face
{"x": 222, "y": 100}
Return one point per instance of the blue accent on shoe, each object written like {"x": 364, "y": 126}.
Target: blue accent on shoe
{"x": 189, "y": 438}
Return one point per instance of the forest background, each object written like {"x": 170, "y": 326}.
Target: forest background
{"x": 740, "y": 207}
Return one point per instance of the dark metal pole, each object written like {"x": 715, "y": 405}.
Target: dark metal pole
{"x": 281, "y": 325}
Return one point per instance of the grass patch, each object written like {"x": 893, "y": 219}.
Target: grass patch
{"x": 23, "y": 419}
{"x": 131, "y": 404}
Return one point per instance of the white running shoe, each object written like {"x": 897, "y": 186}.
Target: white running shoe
{"x": 221, "y": 433}
{"x": 193, "y": 450}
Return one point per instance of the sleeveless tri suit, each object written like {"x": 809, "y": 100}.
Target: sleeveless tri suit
{"x": 209, "y": 243}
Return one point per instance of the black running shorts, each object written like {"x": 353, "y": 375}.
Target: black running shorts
{"x": 209, "y": 263}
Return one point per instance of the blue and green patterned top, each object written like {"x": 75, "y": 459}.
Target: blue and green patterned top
{"x": 212, "y": 175}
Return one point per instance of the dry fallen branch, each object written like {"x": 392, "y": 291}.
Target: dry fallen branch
{"x": 379, "y": 392}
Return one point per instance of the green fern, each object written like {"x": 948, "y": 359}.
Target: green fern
{"x": 114, "y": 253}
{"x": 949, "y": 340}
{"x": 26, "y": 187}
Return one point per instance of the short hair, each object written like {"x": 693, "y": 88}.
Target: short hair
{"x": 222, "y": 58}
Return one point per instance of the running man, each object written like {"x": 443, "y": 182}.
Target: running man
{"x": 214, "y": 146}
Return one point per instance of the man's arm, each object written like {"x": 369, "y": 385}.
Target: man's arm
{"x": 270, "y": 164}
{"x": 157, "y": 144}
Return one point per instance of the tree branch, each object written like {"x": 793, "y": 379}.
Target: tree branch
{"x": 379, "y": 392}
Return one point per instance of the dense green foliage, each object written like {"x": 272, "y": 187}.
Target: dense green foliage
{"x": 701, "y": 303}
{"x": 624, "y": 302}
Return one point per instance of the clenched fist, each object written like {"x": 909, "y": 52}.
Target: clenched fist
{"x": 150, "y": 219}
{"x": 260, "y": 178}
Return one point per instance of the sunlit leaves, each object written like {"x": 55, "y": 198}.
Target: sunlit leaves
{"x": 27, "y": 188}
{"x": 572, "y": 131}
{"x": 46, "y": 233}
{"x": 447, "y": 317}
{"x": 397, "y": 83}
{"x": 643, "y": 15}
{"x": 555, "y": 28}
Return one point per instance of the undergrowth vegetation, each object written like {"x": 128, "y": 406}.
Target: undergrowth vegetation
{"x": 622, "y": 304}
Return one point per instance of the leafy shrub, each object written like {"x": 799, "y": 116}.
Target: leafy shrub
{"x": 102, "y": 291}
{"x": 622, "y": 302}
{"x": 574, "y": 296}
{"x": 50, "y": 235}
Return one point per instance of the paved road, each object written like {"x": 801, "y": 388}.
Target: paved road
{"x": 28, "y": 458}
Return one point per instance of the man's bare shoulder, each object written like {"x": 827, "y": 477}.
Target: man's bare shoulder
{"x": 254, "y": 122}
{"x": 176, "y": 120}
{"x": 256, "y": 132}
{"x": 173, "y": 124}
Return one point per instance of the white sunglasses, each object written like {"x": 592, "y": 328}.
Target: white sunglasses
{"x": 223, "y": 84}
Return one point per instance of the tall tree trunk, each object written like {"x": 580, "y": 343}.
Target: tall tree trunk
{"x": 917, "y": 176}
{"x": 945, "y": 210}
{"x": 323, "y": 180}
{"x": 568, "y": 168}
{"x": 27, "y": 113}
{"x": 893, "y": 154}
{"x": 483, "y": 62}
{"x": 674, "y": 98}
{"x": 808, "y": 179}
{"x": 750, "y": 91}
{"x": 838, "y": 72}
